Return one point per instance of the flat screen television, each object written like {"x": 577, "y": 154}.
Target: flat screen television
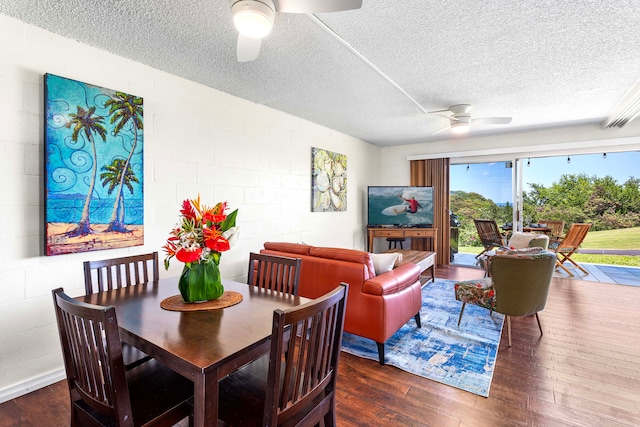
{"x": 400, "y": 206}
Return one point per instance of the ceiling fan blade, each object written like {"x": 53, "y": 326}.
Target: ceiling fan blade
{"x": 443, "y": 114}
{"x": 441, "y": 130}
{"x": 248, "y": 48}
{"x": 440, "y": 111}
{"x": 316, "y": 6}
{"x": 492, "y": 120}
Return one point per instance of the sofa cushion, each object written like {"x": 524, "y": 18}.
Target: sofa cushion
{"x": 384, "y": 262}
{"x": 523, "y": 251}
{"x": 294, "y": 248}
{"x": 479, "y": 292}
{"x": 393, "y": 281}
{"x": 348, "y": 255}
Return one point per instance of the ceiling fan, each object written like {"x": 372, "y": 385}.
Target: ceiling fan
{"x": 460, "y": 118}
{"x": 254, "y": 18}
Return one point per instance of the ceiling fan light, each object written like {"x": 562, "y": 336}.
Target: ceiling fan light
{"x": 459, "y": 127}
{"x": 252, "y": 18}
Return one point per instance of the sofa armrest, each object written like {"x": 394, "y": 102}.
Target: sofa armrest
{"x": 392, "y": 281}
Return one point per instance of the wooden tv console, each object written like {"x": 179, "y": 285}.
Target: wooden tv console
{"x": 407, "y": 232}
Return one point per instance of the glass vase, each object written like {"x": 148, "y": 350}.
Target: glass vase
{"x": 200, "y": 282}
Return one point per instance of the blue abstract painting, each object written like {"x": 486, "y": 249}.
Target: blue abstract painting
{"x": 94, "y": 167}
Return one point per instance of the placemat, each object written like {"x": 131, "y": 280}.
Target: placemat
{"x": 176, "y": 303}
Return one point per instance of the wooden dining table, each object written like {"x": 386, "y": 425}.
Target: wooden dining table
{"x": 204, "y": 346}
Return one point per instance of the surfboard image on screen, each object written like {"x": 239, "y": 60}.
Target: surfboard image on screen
{"x": 395, "y": 210}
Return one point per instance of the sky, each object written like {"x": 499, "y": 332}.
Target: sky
{"x": 541, "y": 170}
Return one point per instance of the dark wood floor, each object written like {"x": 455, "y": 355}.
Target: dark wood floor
{"x": 584, "y": 371}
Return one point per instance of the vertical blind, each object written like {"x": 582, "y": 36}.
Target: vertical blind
{"x": 434, "y": 173}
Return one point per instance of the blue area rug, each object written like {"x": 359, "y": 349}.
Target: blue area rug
{"x": 462, "y": 357}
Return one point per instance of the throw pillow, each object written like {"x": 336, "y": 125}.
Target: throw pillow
{"x": 383, "y": 262}
{"x": 520, "y": 240}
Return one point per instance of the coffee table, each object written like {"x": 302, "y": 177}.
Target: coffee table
{"x": 424, "y": 259}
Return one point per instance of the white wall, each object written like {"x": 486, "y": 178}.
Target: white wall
{"x": 196, "y": 140}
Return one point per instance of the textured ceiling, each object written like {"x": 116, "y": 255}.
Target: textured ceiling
{"x": 544, "y": 63}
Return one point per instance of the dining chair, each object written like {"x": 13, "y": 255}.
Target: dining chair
{"x": 489, "y": 234}
{"x": 295, "y": 383}
{"x": 102, "y": 392}
{"x": 274, "y": 272}
{"x": 568, "y": 245}
{"x": 115, "y": 273}
{"x": 518, "y": 286}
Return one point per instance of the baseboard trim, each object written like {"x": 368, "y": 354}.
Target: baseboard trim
{"x": 31, "y": 384}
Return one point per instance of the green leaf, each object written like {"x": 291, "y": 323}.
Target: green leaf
{"x": 230, "y": 221}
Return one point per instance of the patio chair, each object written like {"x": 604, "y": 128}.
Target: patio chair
{"x": 102, "y": 393}
{"x": 295, "y": 384}
{"x": 557, "y": 229}
{"x": 518, "y": 286}
{"x": 489, "y": 234}
{"x": 569, "y": 244}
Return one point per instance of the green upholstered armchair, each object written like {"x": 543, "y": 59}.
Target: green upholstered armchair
{"x": 518, "y": 286}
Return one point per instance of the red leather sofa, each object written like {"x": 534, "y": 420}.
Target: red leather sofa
{"x": 377, "y": 306}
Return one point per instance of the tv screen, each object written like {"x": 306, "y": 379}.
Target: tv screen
{"x": 400, "y": 206}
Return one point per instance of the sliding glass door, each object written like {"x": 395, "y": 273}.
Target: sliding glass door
{"x": 602, "y": 189}
{"x": 478, "y": 190}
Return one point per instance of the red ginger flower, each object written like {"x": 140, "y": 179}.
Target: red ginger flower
{"x": 187, "y": 210}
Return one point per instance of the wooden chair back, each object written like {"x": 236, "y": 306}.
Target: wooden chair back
{"x": 294, "y": 384}
{"x": 98, "y": 385}
{"x": 489, "y": 234}
{"x": 567, "y": 246}
{"x": 116, "y": 273}
{"x": 273, "y": 272}
{"x": 574, "y": 238}
{"x": 92, "y": 354}
{"x": 557, "y": 228}
{"x": 303, "y": 361}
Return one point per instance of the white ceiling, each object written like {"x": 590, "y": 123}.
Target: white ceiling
{"x": 545, "y": 63}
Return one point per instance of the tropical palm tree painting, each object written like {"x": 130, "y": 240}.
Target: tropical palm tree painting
{"x": 94, "y": 167}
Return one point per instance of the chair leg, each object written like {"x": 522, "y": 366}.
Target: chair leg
{"x": 559, "y": 264}
{"x": 381, "y": 352}
{"x": 461, "y": 311}
{"x": 539, "y": 325}
{"x": 481, "y": 253}
{"x": 509, "y": 329}
{"x": 577, "y": 265}
{"x": 417, "y": 318}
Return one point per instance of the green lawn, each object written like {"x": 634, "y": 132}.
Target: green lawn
{"x": 623, "y": 238}
{"x": 626, "y": 238}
